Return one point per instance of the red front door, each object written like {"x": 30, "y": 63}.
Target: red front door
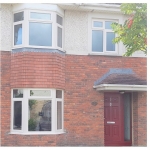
{"x": 114, "y": 120}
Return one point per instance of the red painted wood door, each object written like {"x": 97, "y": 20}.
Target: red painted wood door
{"x": 114, "y": 120}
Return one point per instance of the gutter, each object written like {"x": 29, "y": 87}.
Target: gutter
{"x": 116, "y": 87}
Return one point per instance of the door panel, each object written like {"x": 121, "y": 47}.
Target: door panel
{"x": 114, "y": 120}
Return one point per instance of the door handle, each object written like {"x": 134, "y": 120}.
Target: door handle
{"x": 110, "y": 122}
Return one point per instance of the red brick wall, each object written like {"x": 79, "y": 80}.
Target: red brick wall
{"x": 5, "y": 96}
{"x": 37, "y": 70}
{"x": 83, "y": 106}
{"x": 140, "y": 119}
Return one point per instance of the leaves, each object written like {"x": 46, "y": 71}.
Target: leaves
{"x": 133, "y": 33}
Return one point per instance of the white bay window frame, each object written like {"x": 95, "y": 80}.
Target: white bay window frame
{"x": 25, "y": 28}
{"x": 25, "y": 112}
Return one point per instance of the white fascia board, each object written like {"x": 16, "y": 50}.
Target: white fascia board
{"x": 119, "y": 87}
{"x": 40, "y": 6}
{"x": 94, "y": 7}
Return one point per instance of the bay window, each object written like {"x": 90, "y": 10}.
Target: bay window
{"x": 37, "y": 111}
{"x": 38, "y": 29}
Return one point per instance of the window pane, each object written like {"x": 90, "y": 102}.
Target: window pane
{"x": 39, "y": 115}
{"x": 97, "y": 41}
{"x": 58, "y": 94}
{"x": 59, "y": 115}
{"x": 17, "y": 121}
{"x": 40, "y": 93}
{"x": 110, "y": 46}
{"x": 108, "y": 24}
{"x": 127, "y": 117}
{"x": 17, "y": 93}
{"x": 43, "y": 16}
{"x": 18, "y": 34}
{"x": 40, "y": 34}
{"x": 59, "y": 20}
{"x": 19, "y": 16}
{"x": 97, "y": 24}
{"x": 59, "y": 37}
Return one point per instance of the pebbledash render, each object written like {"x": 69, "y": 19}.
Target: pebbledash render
{"x": 63, "y": 81}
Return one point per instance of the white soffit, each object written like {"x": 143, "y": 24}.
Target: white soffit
{"x": 119, "y": 87}
{"x": 90, "y": 7}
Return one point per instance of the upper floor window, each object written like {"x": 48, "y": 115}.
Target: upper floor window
{"x": 102, "y": 36}
{"x": 41, "y": 29}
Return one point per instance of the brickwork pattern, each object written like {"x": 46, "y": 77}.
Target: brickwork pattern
{"x": 37, "y": 70}
{"x": 83, "y": 106}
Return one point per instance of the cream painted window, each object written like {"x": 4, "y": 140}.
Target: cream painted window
{"x": 38, "y": 29}
{"x": 37, "y": 111}
{"x": 102, "y": 36}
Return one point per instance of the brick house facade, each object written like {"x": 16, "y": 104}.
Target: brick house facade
{"x": 77, "y": 117}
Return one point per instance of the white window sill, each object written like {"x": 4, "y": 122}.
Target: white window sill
{"x": 37, "y": 133}
{"x": 104, "y": 54}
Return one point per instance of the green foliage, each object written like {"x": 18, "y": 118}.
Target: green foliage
{"x": 31, "y": 124}
{"x": 133, "y": 33}
{"x": 31, "y": 103}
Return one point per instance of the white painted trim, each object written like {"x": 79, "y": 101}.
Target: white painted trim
{"x": 25, "y": 29}
{"x": 116, "y": 87}
{"x": 96, "y": 17}
{"x": 38, "y": 6}
{"x": 25, "y": 111}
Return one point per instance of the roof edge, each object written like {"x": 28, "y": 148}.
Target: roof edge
{"x": 119, "y": 87}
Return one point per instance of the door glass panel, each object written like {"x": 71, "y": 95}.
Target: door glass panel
{"x": 127, "y": 117}
{"x": 39, "y": 115}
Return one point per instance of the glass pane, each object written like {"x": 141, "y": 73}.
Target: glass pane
{"x": 18, "y": 16}
{"x": 39, "y": 115}
{"x": 17, "y": 93}
{"x": 40, "y": 34}
{"x": 17, "y": 123}
{"x": 110, "y": 46}
{"x": 18, "y": 34}
{"x": 40, "y": 93}
{"x": 97, "y": 41}
{"x": 59, "y": 115}
{"x": 58, "y": 94}
{"x": 108, "y": 24}
{"x": 59, "y": 20}
{"x": 127, "y": 117}
{"x": 97, "y": 24}
{"x": 43, "y": 16}
{"x": 59, "y": 37}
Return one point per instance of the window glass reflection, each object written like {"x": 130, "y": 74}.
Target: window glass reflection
{"x": 43, "y": 16}
{"x": 97, "y": 41}
{"x": 39, "y": 115}
{"x": 17, "y": 120}
{"x": 40, "y": 34}
{"x": 18, "y": 34}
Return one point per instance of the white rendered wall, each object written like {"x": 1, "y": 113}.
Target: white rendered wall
{"x": 6, "y": 27}
{"x": 76, "y": 33}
